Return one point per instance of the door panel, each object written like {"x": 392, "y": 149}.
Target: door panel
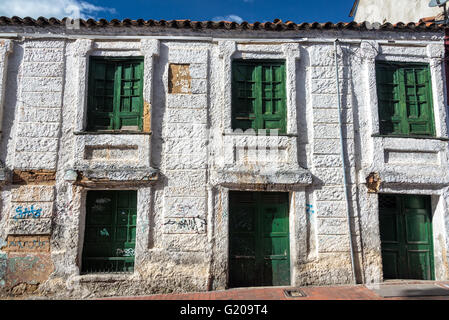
{"x": 389, "y": 225}
{"x": 390, "y": 260}
{"x": 259, "y": 239}
{"x": 416, "y": 228}
{"x": 406, "y": 236}
{"x": 418, "y": 262}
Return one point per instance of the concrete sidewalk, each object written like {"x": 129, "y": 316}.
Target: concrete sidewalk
{"x": 342, "y": 292}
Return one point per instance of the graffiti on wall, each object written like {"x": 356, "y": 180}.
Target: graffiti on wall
{"x": 309, "y": 209}
{"x": 24, "y": 213}
{"x": 25, "y": 263}
{"x": 125, "y": 252}
{"x": 27, "y": 244}
{"x": 191, "y": 225}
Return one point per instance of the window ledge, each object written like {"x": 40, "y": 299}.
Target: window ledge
{"x": 78, "y": 133}
{"x": 261, "y": 135}
{"x": 377, "y": 135}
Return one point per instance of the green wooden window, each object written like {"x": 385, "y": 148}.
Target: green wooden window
{"x": 258, "y": 95}
{"x": 405, "y": 99}
{"x": 115, "y": 99}
{"x": 110, "y": 233}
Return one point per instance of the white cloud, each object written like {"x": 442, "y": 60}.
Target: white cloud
{"x": 231, "y": 17}
{"x": 51, "y": 8}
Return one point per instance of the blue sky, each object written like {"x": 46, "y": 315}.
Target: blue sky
{"x": 235, "y": 10}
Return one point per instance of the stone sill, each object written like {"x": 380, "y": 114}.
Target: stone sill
{"x": 123, "y": 132}
{"x": 294, "y": 135}
{"x": 293, "y": 177}
{"x": 105, "y": 277}
{"x": 377, "y": 135}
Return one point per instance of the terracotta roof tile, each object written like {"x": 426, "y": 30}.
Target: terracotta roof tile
{"x": 276, "y": 25}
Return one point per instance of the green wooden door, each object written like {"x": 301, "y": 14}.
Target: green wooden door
{"x": 406, "y": 236}
{"x": 110, "y": 232}
{"x": 259, "y": 252}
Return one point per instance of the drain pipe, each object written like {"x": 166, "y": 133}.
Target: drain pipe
{"x": 345, "y": 184}
{"x": 210, "y": 234}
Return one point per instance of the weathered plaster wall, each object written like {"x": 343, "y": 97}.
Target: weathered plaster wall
{"x": 186, "y": 160}
{"x": 394, "y": 11}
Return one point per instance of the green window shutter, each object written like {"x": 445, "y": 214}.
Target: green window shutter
{"x": 258, "y": 95}
{"x": 101, "y": 95}
{"x": 115, "y": 99}
{"x": 405, "y": 99}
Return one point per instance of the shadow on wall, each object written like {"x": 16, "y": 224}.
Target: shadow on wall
{"x": 301, "y": 102}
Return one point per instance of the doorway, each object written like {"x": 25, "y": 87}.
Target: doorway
{"x": 406, "y": 237}
{"x": 110, "y": 234}
{"x": 259, "y": 243}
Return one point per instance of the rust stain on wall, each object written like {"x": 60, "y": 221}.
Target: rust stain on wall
{"x": 146, "y": 117}
{"x": 21, "y": 177}
{"x": 179, "y": 80}
{"x": 28, "y": 243}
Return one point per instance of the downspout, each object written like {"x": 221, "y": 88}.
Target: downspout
{"x": 210, "y": 234}
{"x": 345, "y": 184}
{"x": 446, "y": 61}
{"x": 5, "y": 50}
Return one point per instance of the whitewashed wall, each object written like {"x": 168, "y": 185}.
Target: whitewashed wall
{"x": 178, "y": 169}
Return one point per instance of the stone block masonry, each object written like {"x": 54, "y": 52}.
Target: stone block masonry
{"x": 185, "y": 150}
{"x": 330, "y": 205}
{"x": 40, "y": 103}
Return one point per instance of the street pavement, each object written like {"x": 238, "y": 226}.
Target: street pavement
{"x": 340, "y": 292}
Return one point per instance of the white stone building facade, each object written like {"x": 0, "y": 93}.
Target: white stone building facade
{"x": 187, "y": 159}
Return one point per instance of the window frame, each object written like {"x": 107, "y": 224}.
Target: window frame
{"x": 404, "y": 130}
{"x": 115, "y": 114}
{"x": 258, "y": 116}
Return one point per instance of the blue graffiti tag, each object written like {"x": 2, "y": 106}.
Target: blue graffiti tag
{"x": 27, "y": 213}
{"x": 309, "y": 209}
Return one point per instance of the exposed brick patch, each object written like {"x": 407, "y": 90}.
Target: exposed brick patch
{"x": 21, "y": 177}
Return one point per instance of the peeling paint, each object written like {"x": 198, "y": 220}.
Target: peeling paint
{"x": 146, "y": 116}
{"x": 179, "y": 79}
